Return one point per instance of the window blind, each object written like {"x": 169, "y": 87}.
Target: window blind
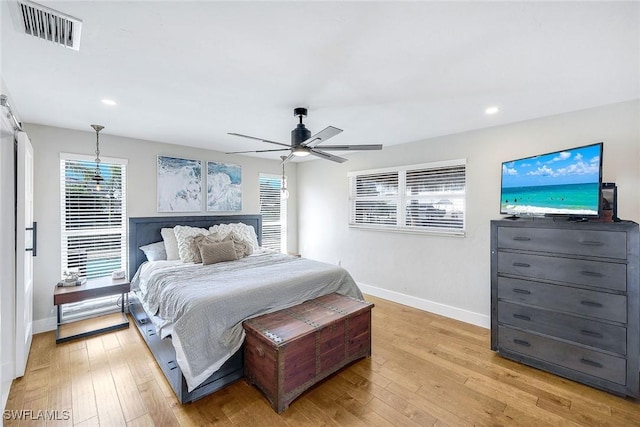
{"x": 435, "y": 197}
{"x": 93, "y": 220}
{"x": 376, "y": 198}
{"x": 273, "y": 209}
{"x": 425, "y": 197}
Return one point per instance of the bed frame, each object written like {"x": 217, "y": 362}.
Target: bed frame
{"x": 143, "y": 231}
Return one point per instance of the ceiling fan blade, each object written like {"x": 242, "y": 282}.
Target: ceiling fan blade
{"x": 257, "y": 151}
{"x": 321, "y": 136}
{"x": 327, "y": 156}
{"x": 353, "y": 147}
{"x": 258, "y": 139}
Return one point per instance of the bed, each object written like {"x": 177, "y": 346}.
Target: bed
{"x": 190, "y": 315}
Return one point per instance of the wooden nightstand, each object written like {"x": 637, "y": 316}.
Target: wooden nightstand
{"x": 94, "y": 288}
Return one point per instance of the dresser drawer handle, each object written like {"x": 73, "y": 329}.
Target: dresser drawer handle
{"x": 521, "y": 264}
{"x": 591, "y": 363}
{"x": 591, "y": 243}
{"x": 591, "y": 303}
{"x": 522, "y": 342}
{"x": 172, "y": 365}
{"x": 522, "y": 238}
{"x": 591, "y": 273}
{"x": 591, "y": 333}
{"x": 521, "y": 291}
{"x": 151, "y": 332}
{"x": 260, "y": 351}
{"x": 521, "y": 317}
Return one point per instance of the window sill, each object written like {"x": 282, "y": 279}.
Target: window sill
{"x": 407, "y": 230}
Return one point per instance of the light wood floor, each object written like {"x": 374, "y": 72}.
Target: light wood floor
{"x": 426, "y": 370}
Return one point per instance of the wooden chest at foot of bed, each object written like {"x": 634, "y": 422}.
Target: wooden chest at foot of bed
{"x": 288, "y": 351}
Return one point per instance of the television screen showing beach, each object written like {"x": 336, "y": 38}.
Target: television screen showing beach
{"x": 561, "y": 183}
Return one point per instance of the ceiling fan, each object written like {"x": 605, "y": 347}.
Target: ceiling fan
{"x": 303, "y": 143}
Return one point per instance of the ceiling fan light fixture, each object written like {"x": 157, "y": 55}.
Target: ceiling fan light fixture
{"x": 300, "y": 151}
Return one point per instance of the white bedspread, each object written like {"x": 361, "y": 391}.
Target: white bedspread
{"x": 202, "y": 307}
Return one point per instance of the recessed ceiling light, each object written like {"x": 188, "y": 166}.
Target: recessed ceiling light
{"x": 109, "y": 102}
{"x": 491, "y": 110}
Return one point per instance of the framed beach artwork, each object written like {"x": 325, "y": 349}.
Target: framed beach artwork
{"x": 224, "y": 187}
{"x": 179, "y": 184}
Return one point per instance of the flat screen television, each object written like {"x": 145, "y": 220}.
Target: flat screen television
{"x": 565, "y": 182}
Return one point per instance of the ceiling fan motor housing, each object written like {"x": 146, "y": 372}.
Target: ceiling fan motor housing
{"x": 299, "y": 135}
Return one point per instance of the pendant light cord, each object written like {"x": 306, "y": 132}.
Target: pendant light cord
{"x": 98, "y": 176}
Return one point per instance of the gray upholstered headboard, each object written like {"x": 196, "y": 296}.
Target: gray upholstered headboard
{"x": 143, "y": 231}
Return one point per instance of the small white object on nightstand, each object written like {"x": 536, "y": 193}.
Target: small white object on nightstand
{"x": 118, "y": 274}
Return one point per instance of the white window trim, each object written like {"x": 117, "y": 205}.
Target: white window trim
{"x": 402, "y": 198}
{"x": 88, "y": 158}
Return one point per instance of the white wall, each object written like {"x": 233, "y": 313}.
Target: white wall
{"x": 49, "y": 142}
{"x": 451, "y": 275}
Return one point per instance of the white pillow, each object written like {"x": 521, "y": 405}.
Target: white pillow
{"x": 154, "y": 251}
{"x": 187, "y": 249}
{"x": 244, "y": 231}
{"x": 170, "y": 243}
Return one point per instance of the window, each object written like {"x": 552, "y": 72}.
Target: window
{"x": 93, "y": 221}
{"x": 427, "y": 197}
{"x": 274, "y": 213}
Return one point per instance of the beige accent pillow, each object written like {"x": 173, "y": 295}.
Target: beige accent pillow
{"x": 241, "y": 245}
{"x": 170, "y": 243}
{"x": 213, "y": 253}
{"x": 204, "y": 239}
{"x": 187, "y": 250}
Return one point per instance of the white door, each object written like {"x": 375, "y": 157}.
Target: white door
{"x": 25, "y": 246}
{"x": 7, "y": 257}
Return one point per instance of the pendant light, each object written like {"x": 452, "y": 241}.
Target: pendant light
{"x": 97, "y": 176}
{"x": 284, "y": 193}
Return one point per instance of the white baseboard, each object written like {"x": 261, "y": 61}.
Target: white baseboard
{"x": 466, "y": 316}
{"x": 482, "y": 320}
{"x": 7, "y": 378}
{"x": 44, "y": 325}
{"x": 6, "y": 387}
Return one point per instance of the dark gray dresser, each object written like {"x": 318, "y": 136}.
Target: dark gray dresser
{"x": 565, "y": 298}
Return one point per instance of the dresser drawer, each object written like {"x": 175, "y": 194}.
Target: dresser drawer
{"x": 600, "y": 305}
{"x": 591, "y": 362}
{"x": 589, "y": 332}
{"x": 606, "y": 275}
{"x": 573, "y": 242}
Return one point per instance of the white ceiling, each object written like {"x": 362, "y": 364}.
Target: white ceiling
{"x": 385, "y": 72}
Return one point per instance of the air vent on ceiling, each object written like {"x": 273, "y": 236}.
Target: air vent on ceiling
{"x": 50, "y": 25}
